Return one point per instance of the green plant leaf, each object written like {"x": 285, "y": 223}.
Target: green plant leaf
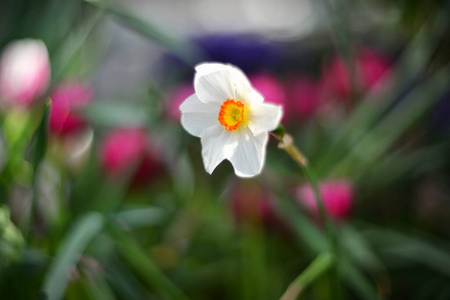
{"x": 140, "y": 217}
{"x": 73, "y": 245}
{"x": 141, "y": 263}
{"x": 377, "y": 141}
{"x": 410, "y": 248}
{"x": 408, "y": 68}
{"x": 71, "y": 45}
{"x": 41, "y": 138}
{"x": 322, "y": 263}
{"x": 307, "y": 233}
{"x": 357, "y": 280}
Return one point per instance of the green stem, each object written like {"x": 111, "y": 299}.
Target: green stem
{"x": 144, "y": 266}
{"x": 287, "y": 144}
{"x": 320, "y": 265}
{"x": 331, "y": 234}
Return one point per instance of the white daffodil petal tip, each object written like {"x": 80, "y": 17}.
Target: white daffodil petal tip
{"x": 230, "y": 117}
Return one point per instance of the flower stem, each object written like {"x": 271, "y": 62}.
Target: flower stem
{"x": 287, "y": 144}
{"x": 320, "y": 265}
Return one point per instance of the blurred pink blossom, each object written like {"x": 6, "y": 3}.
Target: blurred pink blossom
{"x": 66, "y": 99}
{"x": 303, "y": 95}
{"x": 337, "y": 196}
{"x": 128, "y": 150}
{"x": 24, "y": 72}
{"x": 251, "y": 203}
{"x": 371, "y": 68}
{"x": 271, "y": 89}
{"x": 374, "y": 67}
{"x": 177, "y": 97}
{"x": 335, "y": 82}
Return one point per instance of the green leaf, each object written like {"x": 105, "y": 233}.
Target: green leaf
{"x": 41, "y": 138}
{"x": 68, "y": 254}
{"x": 140, "y": 217}
{"x": 71, "y": 45}
{"x": 319, "y": 265}
{"x": 254, "y": 267}
{"x": 97, "y": 288}
{"x": 410, "y": 248}
{"x": 142, "y": 264}
{"x": 359, "y": 249}
{"x": 408, "y": 68}
{"x": 377, "y": 141}
{"x": 124, "y": 283}
{"x": 401, "y": 164}
{"x": 305, "y": 230}
{"x": 183, "y": 176}
{"x": 357, "y": 280}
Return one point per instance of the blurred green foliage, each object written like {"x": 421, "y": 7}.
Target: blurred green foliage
{"x": 178, "y": 236}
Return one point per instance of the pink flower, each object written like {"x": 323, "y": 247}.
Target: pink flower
{"x": 251, "y": 203}
{"x": 337, "y": 196}
{"x": 374, "y": 67}
{"x": 24, "y": 72}
{"x": 270, "y": 88}
{"x": 176, "y": 98}
{"x": 127, "y": 150}
{"x": 66, "y": 99}
{"x": 370, "y": 70}
{"x": 303, "y": 96}
{"x": 335, "y": 81}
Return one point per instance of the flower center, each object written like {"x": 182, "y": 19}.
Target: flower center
{"x": 232, "y": 114}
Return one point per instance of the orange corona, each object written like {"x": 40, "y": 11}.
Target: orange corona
{"x": 232, "y": 114}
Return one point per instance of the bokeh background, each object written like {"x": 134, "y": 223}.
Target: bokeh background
{"x": 103, "y": 195}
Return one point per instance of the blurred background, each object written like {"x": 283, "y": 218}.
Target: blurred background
{"x": 103, "y": 195}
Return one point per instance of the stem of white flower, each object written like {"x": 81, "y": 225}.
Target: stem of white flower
{"x": 287, "y": 144}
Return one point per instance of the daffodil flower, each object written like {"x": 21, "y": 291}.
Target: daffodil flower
{"x": 230, "y": 117}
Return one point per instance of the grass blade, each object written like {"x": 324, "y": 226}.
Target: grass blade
{"x": 147, "y": 270}
{"x": 73, "y": 245}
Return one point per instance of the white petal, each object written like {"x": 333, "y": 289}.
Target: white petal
{"x": 215, "y": 82}
{"x": 254, "y": 96}
{"x": 217, "y": 144}
{"x": 206, "y": 68}
{"x": 264, "y": 117}
{"x": 250, "y": 155}
{"x": 197, "y": 116}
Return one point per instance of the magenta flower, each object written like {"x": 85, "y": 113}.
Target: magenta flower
{"x": 337, "y": 196}
{"x": 24, "y": 72}
{"x": 304, "y": 97}
{"x": 335, "y": 81}
{"x": 128, "y": 150}
{"x": 253, "y": 203}
{"x": 375, "y": 69}
{"x": 66, "y": 100}
{"x": 370, "y": 69}
{"x": 270, "y": 88}
{"x": 176, "y": 98}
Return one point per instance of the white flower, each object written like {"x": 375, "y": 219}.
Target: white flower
{"x": 24, "y": 72}
{"x": 230, "y": 118}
